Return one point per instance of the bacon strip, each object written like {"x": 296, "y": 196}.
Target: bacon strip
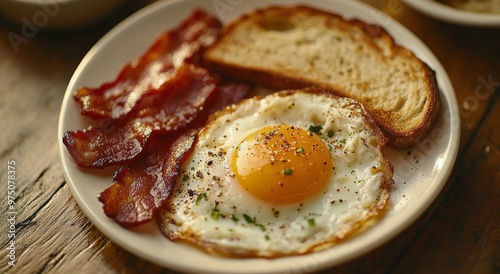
{"x": 152, "y": 71}
{"x": 123, "y": 141}
{"x": 140, "y": 190}
{"x": 227, "y": 94}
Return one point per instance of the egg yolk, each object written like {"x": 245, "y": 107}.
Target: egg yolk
{"x": 282, "y": 164}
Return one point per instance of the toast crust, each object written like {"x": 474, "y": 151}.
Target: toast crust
{"x": 403, "y": 123}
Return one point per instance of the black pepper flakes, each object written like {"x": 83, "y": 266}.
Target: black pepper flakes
{"x": 199, "y": 174}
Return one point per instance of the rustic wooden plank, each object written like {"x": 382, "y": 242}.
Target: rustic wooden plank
{"x": 31, "y": 102}
{"x": 60, "y": 239}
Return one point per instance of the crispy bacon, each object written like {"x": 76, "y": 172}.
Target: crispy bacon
{"x": 141, "y": 189}
{"x": 150, "y": 115}
{"x": 228, "y": 93}
{"x": 124, "y": 140}
{"x": 152, "y": 71}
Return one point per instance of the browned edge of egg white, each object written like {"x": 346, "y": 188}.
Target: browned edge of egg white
{"x": 375, "y": 213}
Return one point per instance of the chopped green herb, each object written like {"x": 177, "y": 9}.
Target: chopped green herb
{"x": 276, "y": 213}
{"x": 267, "y": 237}
{"x": 249, "y": 219}
{"x": 215, "y": 214}
{"x": 201, "y": 197}
{"x": 288, "y": 172}
{"x": 316, "y": 129}
{"x": 300, "y": 150}
{"x": 323, "y": 138}
{"x": 234, "y": 218}
{"x": 311, "y": 221}
{"x": 185, "y": 177}
{"x": 330, "y": 134}
{"x": 342, "y": 141}
{"x": 292, "y": 104}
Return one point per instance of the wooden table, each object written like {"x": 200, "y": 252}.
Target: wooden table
{"x": 459, "y": 233}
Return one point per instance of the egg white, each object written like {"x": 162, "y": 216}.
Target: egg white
{"x": 210, "y": 209}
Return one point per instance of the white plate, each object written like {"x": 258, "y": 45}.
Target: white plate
{"x": 447, "y": 13}
{"x": 419, "y": 176}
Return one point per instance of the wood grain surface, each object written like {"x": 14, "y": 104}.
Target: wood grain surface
{"x": 459, "y": 233}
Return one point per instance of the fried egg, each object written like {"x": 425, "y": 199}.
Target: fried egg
{"x": 290, "y": 173}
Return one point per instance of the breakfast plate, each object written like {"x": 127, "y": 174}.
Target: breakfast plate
{"x": 450, "y": 14}
{"x": 420, "y": 172}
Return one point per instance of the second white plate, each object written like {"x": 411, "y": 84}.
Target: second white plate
{"x": 447, "y": 13}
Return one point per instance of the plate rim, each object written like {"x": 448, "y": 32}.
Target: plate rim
{"x": 453, "y": 15}
{"x": 452, "y": 147}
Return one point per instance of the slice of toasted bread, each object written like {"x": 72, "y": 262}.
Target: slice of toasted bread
{"x": 294, "y": 47}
